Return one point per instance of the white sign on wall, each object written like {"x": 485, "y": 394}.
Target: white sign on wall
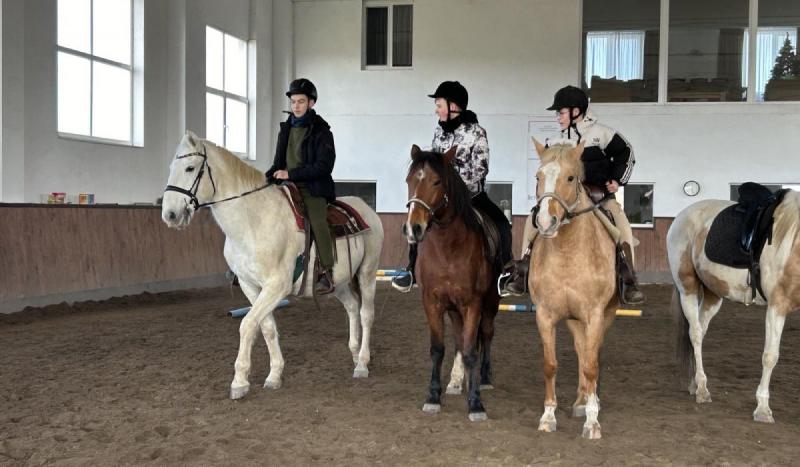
{"x": 541, "y": 127}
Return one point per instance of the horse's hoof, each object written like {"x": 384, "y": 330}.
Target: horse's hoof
{"x": 702, "y": 397}
{"x": 763, "y": 417}
{"x": 485, "y": 387}
{"x": 478, "y": 417}
{"x": 592, "y": 431}
{"x": 239, "y": 392}
{"x": 432, "y": 408}
{"x": 360, "y": 373}
{"x": 548, "y": 426}
{"x": 453, "y": 390}
{"x": 272, "y": 384}
{"x": 578, "y": 411}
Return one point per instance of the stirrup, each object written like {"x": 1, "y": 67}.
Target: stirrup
{"x": 403, "y": 288}
{"x": 502, "y": 282}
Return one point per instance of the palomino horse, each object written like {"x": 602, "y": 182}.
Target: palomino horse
{"x": 702, "y": 284}
{"x": 454, "y": 275}
{"x": 572, "y": 277}
{"x": 262, "y": 245}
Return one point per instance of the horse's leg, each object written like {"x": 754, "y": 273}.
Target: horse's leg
{"x": 486, "y": 336}
{"x": 457, "y": 373}
{"x": 595, "y": 330}
{"x": 469, "y": 353}
{"x": 351, "y": 305}
{"x": 367, "y": 311}
{"x": 547, "y": 333}
{"x": 709, "y": 307}
{"x": 691, "y": 310}
{"x": 270, "y": 333}
{"x": 579, "y": 338}
{"x": 435, "y": 314}
{"x": 261, "y": 312}
{"x": 772, "y": 343}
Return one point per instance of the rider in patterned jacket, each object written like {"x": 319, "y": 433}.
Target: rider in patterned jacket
{"x": 459, "y": 127}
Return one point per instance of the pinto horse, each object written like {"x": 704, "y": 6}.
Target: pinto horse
{"x": 454, "y": 275}
{"x": 572, "y": 277}
{"x": 700, "y": 286}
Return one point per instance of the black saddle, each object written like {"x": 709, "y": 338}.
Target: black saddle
{"x": 739, "y": 232}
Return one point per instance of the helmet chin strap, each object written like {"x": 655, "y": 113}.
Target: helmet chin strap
{"x": 572, "y": 125}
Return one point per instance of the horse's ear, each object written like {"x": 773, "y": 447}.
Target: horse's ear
{"x": 539, "y": 146}
{"x": 191, "y": 138}
{"x": 415, "y": 151}
{"x": 577, "y": 152}
{"x": 450, "y": 155}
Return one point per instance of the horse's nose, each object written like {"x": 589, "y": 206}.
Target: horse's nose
{"x": 553, "y": 220}
{"x": 171, "y": 215}
{"x": 405, "y": 230}
{"x": 416, "y": 229}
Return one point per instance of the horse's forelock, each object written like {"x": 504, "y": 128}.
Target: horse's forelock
{"x": 459, "y": 196}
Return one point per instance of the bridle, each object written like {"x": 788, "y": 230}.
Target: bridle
{"x": 569, "y": 208}
{"x": 192, "y": 191}
{"x": 427, "y": 207}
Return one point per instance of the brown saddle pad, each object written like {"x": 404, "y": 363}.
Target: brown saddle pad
{"x": 343, "y": 219}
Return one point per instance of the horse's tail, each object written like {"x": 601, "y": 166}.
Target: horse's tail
{"x": 684, "y": 351}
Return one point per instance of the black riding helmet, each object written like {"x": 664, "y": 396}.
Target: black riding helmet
{"x": 302, "y": 86}
{"x": 571, "y": 97}
{"x": 452, "y": 91}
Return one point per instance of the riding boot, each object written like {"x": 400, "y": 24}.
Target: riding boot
{"x": 404, "y": 282}
{"x": 631, "y": 295}
{"x": 514, "y": 280}
{"x": 324, "y": 283}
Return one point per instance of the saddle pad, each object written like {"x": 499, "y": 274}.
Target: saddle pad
{"x": 723, "y": 240}
{"x": 342, "y": 218}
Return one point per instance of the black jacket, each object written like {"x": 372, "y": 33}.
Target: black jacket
{"x": 607, "y": 154}
{"x": 318, "y": 155}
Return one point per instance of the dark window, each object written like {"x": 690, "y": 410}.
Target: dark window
{"x": 363, "y": 190}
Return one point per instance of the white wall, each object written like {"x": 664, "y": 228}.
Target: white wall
{"x": 35, "y": 160}
{"x": 510, "y": 54}
{"x": 513, "y": 55}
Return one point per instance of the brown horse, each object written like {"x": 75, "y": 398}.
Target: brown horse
{"x": 453, "y": 273}
{"x": 572, "y": 277}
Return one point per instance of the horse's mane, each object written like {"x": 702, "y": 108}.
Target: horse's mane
{"x": 457, "y": 192}
{"x": 787, "y": 218}
{"x": 559, "y": 152}
{"x": 242, "y": 171}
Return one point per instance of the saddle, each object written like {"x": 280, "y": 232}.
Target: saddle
{"x": 739, "y": 232}
{"x": 343, "y": 221}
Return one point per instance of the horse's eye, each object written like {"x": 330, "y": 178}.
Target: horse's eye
{"x": 189, "y": 169}
{"x": 571, "y": 178}
{"x": 437, "y": 183}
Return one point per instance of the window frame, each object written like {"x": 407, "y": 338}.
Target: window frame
{"x": 510, "y": 185}
{"x": 132, "y": 69}
{"x": 663, "y": 62}
{"x": 621, "y": 200}
{"x": 229, "y": 95}
{"x": 373, "y": 183}
{"x": 388, "y": 4}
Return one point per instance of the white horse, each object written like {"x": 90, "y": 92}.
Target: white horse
{"x": 261, "y": 247}
{"x": 702, "y": 284}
